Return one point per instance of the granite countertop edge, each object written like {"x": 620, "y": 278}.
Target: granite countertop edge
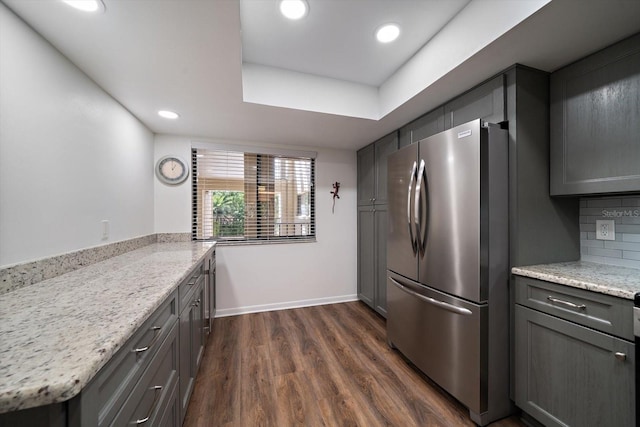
{"x": 83, "y": 318}
{"x": 621, "y": 282}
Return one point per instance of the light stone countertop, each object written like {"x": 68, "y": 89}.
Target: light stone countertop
{"x": 612, "y": 280}
{"x": 56, "y": 335}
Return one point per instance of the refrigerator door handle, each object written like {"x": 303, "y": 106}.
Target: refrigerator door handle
{"x": 421, "y": 229}
{"x": 414, "y": 243}
{"x": 444, "y": 305}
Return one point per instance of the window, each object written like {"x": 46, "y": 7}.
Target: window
{"x": 244, "y": 196}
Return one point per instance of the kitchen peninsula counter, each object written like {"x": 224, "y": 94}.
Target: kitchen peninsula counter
{"x": 622, "y": 282}
{"x": 58, "y": 333}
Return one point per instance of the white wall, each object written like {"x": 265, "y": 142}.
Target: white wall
{"x": 263, "y": 277}
{"x": 70, "y": 155}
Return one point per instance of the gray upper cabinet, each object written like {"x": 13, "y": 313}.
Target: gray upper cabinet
{"x": 595, "y": 122}
{"x": 372, "y": 170}
{"x": 427, "y": 125}
{"x": 484, "y": 102}
{"x": 366, "y": 175}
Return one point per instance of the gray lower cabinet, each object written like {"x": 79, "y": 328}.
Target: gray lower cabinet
{"x": 372, "y": 257}
{"x": 150, "y": 379}
{"x": 210, "y": 292}
{"x": 595, "y": 122}
{"x": 116, "y": 393}
{"x": 155, "y": 391}
{"x": 567, "y": 372}
{"x": 191, "y": 339}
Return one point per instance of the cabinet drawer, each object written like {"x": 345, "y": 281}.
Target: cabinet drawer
{"x": 154, "y": 391}
{"x": 188, "y": 286}
{"x": 110, "y": 388}
{"x": 570, "y": 375}
{"x": 594, "y": 310}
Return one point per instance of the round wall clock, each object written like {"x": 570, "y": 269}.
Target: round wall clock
{"x": 172, "y": 170}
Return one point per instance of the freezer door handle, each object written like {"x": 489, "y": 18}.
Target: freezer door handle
{"x": 441, "y": 304}
{"x": 414, "y": 243}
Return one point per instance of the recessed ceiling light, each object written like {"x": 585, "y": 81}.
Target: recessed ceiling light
{"x": 168, "y": 114}
{"x": 387, "y": 33}
{"x": 86, "y": 5}
{"x": 294, "y": 9}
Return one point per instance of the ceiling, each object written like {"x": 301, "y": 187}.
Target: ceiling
{"x": 235, "y": 71}
{"x": 337, "y": 38}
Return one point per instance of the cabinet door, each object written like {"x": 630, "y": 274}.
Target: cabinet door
{"x": 186, "y": 381}
{"x": 191, "y": 345}
{"x": 383, "y": 147}
{"x": 197, "y": 331}
{"x": 567, "y": 374}
{"x": 366, "y": 175}
{"x": 427, "y": 125}
{"x": 366, "y": 255}
{"x": 595, "y": 123}
{"x": 171, "y": 414}
{"x": 380, "y": 219}
{"x": 485, "y": 102}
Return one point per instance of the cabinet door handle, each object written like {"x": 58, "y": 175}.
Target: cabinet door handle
{"x": 621, "y": 356}
{"x": 155, "y": 389}
{"x": 156, "y": 335}
{"x": 567, "y": 303}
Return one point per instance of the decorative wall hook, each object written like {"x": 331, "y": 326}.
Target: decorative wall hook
{"x": 336, "y": 188}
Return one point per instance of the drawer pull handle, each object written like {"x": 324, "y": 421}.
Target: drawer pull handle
{"x": 621, "y": 356}
{"x": 194, "y": 279}
{"x": 567, "y": 303}
{"x": 156, "y": 335}
{"x": 155, "y": 389}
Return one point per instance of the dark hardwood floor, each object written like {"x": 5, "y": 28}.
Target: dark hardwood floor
{"x": 317, "y": 366}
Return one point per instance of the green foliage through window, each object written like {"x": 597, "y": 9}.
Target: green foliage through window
{"x": 228, "y": 213}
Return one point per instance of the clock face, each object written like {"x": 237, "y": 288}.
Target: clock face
{"x": 172, "y": 170}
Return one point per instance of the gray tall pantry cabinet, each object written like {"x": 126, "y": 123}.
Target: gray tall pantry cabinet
{"x": 372, "y": 222}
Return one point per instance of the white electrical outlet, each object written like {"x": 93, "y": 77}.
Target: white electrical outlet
{"x": 605, "y": 229}
{"x": 105, "y": 229}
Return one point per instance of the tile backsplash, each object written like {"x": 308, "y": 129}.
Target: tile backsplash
{"x": 625, "y": 212}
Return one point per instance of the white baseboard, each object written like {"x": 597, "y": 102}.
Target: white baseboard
{"x": 284, "y": 305}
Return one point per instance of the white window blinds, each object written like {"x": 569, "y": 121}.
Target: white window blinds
{"x": 240, "y": 196}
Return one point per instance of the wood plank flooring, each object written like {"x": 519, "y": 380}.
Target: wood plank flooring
{"x": 317, "y": 366}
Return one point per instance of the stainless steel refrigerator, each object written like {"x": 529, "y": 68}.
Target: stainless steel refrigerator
{"x": 447, "y": 261}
